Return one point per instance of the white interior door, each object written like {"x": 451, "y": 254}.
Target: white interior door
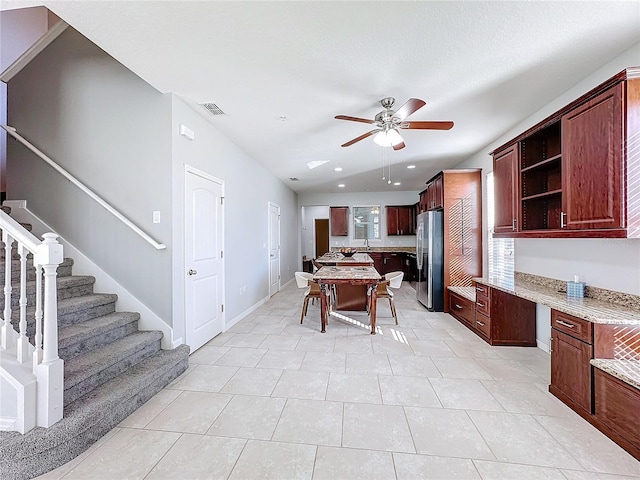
{"x": 274, "y": 248}
{"x": 204, "y": 265}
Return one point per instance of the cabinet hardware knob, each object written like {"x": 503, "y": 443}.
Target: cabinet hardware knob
{"x": 481, "y": 305}
{"x": 480, "y": 323}
{"x": 480, "y": 289}
{"x": 514, "y": 222}
{"x": 459, "y": 307}
{"x": 566, "y": 324}
{"x": 192, "y": 272}
{"x": 562, "y": 223}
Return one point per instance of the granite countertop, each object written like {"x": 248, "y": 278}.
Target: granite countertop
{"x": 337, "y": 257}
{"x": 347, "y": 273}
{"x": 626, "y": 370}
{"x": 466, "y": 292}
{"x": 379, "y": 249}
{"x": 618, "y": 310}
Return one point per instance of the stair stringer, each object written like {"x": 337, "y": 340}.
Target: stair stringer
{"x": 18, "y": 386}
{"x": 83, "y": 265}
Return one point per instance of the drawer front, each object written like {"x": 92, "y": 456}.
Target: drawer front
{"x": 483, "y": 304}
{"x": 483, "y": 290}
{"x": 483, "y": 324}
{"x": 461, "y": 308}
{"x": 576, "y": 327}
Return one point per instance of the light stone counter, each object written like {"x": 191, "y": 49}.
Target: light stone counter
{"x": 609, "y": 307}
{"x": 379, "y": 249}
{"x": 626, "y": 370}
{"x": 466, "y": 292}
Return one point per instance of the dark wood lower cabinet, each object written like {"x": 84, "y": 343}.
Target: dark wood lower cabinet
{"x": 462, "y": 309}
{"x": 498, "y": 317}
{"x": 571, "y": 371}
{"x": 616, "y": 411}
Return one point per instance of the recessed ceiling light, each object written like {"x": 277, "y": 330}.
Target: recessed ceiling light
{"x": 397, "y": 183}
{"x": 338, "y": 169}
{"x": 341, "y": 185}
{"x": 411, "y": 166}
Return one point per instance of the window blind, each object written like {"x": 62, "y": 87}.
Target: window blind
{"x": 501, "y": 250}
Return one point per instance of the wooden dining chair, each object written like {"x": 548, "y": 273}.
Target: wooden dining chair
{"x": 305, "y": 280}
{"x": 391, "y": 280}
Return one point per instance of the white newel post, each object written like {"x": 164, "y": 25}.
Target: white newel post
{"x": 50, "y": 372}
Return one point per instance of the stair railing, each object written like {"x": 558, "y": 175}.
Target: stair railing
{"x": 41, "y": 357}
{"x": 103, "y": 203}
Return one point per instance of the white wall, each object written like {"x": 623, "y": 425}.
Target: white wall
{"x": 612, "y": 263}
{"x": 363, "y": 199}
{"x": 308, "y": 216}
{"x": 111, "y": 130}
{"x": 249, "y": 187}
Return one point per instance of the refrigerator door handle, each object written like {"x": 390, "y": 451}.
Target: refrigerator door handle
{"x": 419, "y": 249}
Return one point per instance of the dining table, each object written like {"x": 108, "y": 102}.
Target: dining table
{"x": 330, "y": 276}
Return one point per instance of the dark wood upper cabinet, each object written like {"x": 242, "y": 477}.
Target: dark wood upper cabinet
{"x": 592, "y": 163}
{"x": 339, "y": 219}
{"x": 577, "y": 171}
{"x": 400, "y": 220}
{"x": 432, "y": 198}
{"x": 505, "y": 190}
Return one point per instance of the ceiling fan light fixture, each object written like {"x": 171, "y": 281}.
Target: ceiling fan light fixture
{"x": 388, "y": 138}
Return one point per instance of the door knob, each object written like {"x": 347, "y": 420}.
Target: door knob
{"x": 192, "y": 272}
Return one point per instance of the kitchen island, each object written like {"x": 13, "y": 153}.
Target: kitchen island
{"x": 365, "y": 277}
{"x": 348, "y": 296}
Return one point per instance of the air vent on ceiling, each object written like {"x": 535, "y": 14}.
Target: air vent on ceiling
{"x": 294, "y": 179}
{"x": 213, "y": 108}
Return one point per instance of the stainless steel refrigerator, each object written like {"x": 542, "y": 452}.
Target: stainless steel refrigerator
{"x": 430, "y": 260}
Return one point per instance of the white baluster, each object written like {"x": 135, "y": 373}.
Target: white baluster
{"x": 22, "y": 350}
{"x": 37, "y": 355}
{"x": 8, "y": 341}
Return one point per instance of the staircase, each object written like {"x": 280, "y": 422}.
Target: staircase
{"x": 110, "y": 369}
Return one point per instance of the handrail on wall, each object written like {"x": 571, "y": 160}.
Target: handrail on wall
{"x": 12, "y": 131}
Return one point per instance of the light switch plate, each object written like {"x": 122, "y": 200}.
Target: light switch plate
{"x": 156, "y": 216}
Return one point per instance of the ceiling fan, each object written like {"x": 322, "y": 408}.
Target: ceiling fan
{"x": 388, "y": 122}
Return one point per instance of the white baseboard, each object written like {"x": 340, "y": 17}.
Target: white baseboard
{"x": 239, "y": 317}
{"x": 543, "y": 346}
{"x": 82, "y": 265}
{"x": 177, "y": 342}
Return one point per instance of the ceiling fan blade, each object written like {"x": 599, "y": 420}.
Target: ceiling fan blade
{"x": 410, "y": 106}
{"x": 427, "y": 125}
{"x": 399, "y": 146}
{"x": 354, "y": 119}
{"x": 361, "y": 137}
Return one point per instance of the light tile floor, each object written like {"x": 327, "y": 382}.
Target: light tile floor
{"x": 273, "y": 399}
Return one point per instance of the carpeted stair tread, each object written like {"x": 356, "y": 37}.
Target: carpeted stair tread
{"x": 75, "y": 309}
{"x": 68, "y": 287}
{"x": 64, "y": 269}
{"x": 85, "y": 372}
{"x": 89, "y": 418}
{"x": 82, "y": 337}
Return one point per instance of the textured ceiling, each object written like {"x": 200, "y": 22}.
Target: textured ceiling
{"x": 484, "y": 65}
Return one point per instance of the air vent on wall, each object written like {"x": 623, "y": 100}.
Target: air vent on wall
{"x": 213, "y": 108}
